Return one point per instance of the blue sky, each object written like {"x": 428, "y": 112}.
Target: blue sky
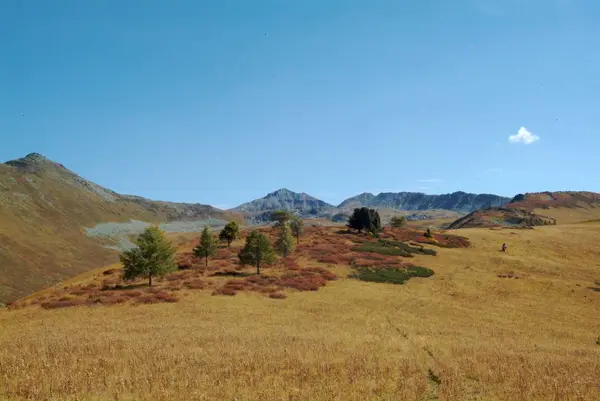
{"x": 221, "y": 102}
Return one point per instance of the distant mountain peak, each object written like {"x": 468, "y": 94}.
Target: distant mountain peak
{"x": 35, "y": 156}
{"x": 33, "y": 162}
{"x": 284, "y": 199}
{"x": 281, "y": 191}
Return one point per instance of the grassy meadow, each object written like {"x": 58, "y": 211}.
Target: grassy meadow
{"x": 520, "y": 325}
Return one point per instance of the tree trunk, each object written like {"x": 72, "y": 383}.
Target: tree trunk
{"x": 228, "y": 244}
{"x": 297, "y": 239}
{"x": 149, "y": 280}
{"x": 206, "y": 260}
{"x": 258, "y": 267}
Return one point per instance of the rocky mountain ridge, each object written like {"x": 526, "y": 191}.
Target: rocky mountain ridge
{"x": 306, "y": 206}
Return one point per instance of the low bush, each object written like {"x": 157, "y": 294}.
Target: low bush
{"x": 277, "y": 295}
{"x": 224, "y": 291}
{"x": 393, "y": 275}
{"x": 381, "y": 249}
{"x": 112, "y": 300}
{"x": 194, "y": 284}
{"x": 410, "y": 249}
{"x": 63, "y": 304}
{"x": 146, "y": 299}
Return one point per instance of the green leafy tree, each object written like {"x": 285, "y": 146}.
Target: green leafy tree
{"x": 281, "y": 216}
{"x": 398, "y": 222}
{"x": 230, "y": 233}
{"x": 207, "y": 246}
{"x": 256, "y": 251}
{"x": 285, "y": 242}
{"x": 297, "y": 227}
{"x": 154, "y": 256}
{"x": 365, "y": 219}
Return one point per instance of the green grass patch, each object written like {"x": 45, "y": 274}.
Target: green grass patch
{"x": 393, "y": 275}
{"x": 393, "y": 248}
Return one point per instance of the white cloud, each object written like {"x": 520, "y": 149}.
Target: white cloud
{"x": 524, "y": 136}
{"x": 431, "y": 180}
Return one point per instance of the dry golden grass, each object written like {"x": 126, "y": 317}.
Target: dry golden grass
{"x": 463, "y": 334}
{"x": 571, "y": 215}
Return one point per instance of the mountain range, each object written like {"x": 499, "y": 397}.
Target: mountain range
{"x": 307, "y": 206}
{"x": 55, "y": 224}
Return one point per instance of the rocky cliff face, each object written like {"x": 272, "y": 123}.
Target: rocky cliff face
{"x": 457, "y": 201}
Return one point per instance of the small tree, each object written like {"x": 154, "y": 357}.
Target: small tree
{"x": 285, "y": 242}
{"x": 230, "y": 233}
{"x": 365, "y": 219}
{"x": 153, "y": 256}
{"x": 207, "y": 246}
{"x": 428, "y": 233}
{"x": 297, "y": 227}
{"x": 398, "y": 222}
{"x": 256, "y": 251}
{"x": 281, "y": 216}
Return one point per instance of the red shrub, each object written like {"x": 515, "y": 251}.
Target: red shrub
{"x": 112, "y": 300}
{"x": 166, "y": 297}
{"x": 225, "y": 291}
{"x": 78, "y": 291}
{"x": 63, "y": 304}
{"x": 179, "y": 275}
{"x": 277, "y": 295}
{"x": 195, "y": 284}
{"x": 237, "y": 285}
{"x": 223, "y": 253}
{"x": 330, "y": 259}
{"x": 174, "y": 287}
{"x": 146, "y": 299}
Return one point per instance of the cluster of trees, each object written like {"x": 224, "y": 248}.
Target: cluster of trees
{"x": 154, "y": 255}
{"x": 365, "y": 219}
{"x": 368, "y": 220}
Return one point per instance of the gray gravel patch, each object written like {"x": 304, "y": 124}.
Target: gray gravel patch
{"x": 119, "y": 232}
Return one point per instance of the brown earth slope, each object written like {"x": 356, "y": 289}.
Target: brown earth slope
{"x": 501, "y": 217}
{"x": 44, "y": 212}
{"x": 534, "y": 209}
{"x": 565, "y": 206}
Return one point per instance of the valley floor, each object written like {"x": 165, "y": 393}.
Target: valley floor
{"x": 462, "y": 334}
